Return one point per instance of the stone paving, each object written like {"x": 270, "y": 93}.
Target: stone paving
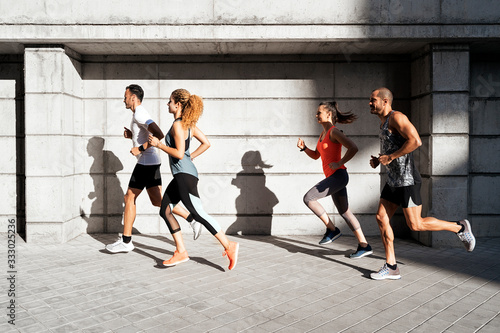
{"x": 281, "y": 284}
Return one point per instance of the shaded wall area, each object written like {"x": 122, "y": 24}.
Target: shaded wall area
{"x": 484, "y": 113}
{"x": 12, "y": 172}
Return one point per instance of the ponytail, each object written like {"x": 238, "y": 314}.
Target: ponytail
{"x": 192, "y": 107}
{"x": 337, "y": 116}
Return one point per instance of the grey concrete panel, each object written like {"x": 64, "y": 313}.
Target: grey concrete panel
{"x": 450, "y": 113}
{"x": 449, "y": 198}
{"x": 485, "y": 79}
{"x": 450, "y": 71}
{"x": 485, "y": 155}
{"x": 484, "y": 117}
{"x": 243, "y": 12}
{"x": 44, "y": 114}
{"x": 421, "y": 73}
{"x": 485, "y": 191}
{"x": 450, "y": 155}
{"x": 46, "y": 67}
{"x": 421, "y": 114}
{"x": 370, "y": 76}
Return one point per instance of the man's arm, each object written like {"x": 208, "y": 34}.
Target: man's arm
{"x": 155, "y": 130}
{"x": 400, "y": 123}
{"x": 152, "y": 128}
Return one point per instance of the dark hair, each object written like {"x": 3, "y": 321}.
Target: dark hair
{"x": 136, "y": 90}
{"x": 337, "y": 116}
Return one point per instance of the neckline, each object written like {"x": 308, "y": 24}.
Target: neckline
{"x": 326, "y": 134}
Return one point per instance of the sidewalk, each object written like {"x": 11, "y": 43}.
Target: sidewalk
{"x": 281, "y": 284}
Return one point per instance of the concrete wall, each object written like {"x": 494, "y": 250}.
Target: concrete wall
{"x": 12, "y": 140}
{"x": 255, "y": 110}
{"x": 54, "y": 149}
{"x": 440, "y": 111}
{"x": 262, "y": 68}
{"x": 485, "y": 143}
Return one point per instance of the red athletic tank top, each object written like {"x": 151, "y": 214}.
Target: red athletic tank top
{"x": 329, "y": 152}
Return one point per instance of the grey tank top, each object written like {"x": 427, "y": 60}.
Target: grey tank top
{"x": 185, "y": 165}
{"x": 401, "y": 171}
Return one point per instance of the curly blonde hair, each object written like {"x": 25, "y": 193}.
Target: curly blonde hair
{"x": 192, "y": 107}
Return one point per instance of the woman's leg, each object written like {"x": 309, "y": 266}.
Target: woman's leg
{"x": 326, "y": 187}
{"x": 341, "y": 202}
{"x": 170, "y": 199}
{"x": 190, "y": 198}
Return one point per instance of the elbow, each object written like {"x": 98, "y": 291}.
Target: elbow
{"x": 418, "y": 143}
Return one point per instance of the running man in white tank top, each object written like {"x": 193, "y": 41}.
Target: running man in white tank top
{"x": 146, "y": 173}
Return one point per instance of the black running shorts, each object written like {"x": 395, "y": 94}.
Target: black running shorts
{"x": 406, "y": 196}
{"x": 145, "y": 176}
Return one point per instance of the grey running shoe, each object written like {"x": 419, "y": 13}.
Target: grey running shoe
{"x": 361, "y": 252}
{"x": 330, "y": 236}
{"x": 196, "y": 229}
{"x": 466, "y": 236}
{"x": 120, "y": 246}
{"x": 386, "y": 273}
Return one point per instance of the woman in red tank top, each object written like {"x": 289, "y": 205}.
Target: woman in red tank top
{"x": 329, "y": 148}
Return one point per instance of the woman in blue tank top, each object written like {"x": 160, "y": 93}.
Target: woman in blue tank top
{"x": 187, "y": 109}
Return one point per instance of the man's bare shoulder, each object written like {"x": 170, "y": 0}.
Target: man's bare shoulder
{"x": 399, "y": 117}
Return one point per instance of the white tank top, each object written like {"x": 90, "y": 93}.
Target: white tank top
{"x": 140, "y": 135}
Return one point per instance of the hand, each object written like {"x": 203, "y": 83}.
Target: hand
{"x": 153, "y": 141}
{"x": 385, "y": 159}
{"x": 301, "y": 144}
{"x": 334, "y": 165}
{"x": 127, "y": 134}
{"x": 374, "y": 161}
{"x": 135, "y": 151}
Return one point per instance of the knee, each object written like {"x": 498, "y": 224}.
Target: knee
{"x": 306, "y": 200}
{"x": 381, "y": 220}
{"x": 416, "y": 225}
{"x": 129, "y": 198}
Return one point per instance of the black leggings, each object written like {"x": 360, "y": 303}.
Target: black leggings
{"x": 184, "y": 187}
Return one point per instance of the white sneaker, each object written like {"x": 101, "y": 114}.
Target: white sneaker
{"x": 120, "y": 246}
{"x": 196, "y": 229}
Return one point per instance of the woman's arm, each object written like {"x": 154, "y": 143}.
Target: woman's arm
{"x": 205, "y": 144}
{"x": 178, "y": 133}
{"x": 311, "y": 153}
{"x": 337, "y": 135}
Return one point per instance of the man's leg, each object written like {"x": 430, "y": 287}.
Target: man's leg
{"x": 124, "y": 243}
{"x": 386, "y": 210}
{"x": 416, "y": 222}
{"x": 463, "y": 228}
{"x": 130, "y": 210}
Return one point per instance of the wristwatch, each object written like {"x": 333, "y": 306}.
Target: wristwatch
{"x": 141, "y": 148}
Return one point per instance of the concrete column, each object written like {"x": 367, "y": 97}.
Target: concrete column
{"x": 440, "y": 111}
{"x": 8, "y": 209}
{"x": 53, "y": 144}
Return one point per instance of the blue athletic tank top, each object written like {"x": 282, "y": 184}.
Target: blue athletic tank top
{"x": 185, "y": 165}
{"x": 401, "y": 171}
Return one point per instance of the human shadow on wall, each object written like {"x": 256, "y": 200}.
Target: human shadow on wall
{"x": 254, "y": 205}
{"x": 105, "y": 203}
